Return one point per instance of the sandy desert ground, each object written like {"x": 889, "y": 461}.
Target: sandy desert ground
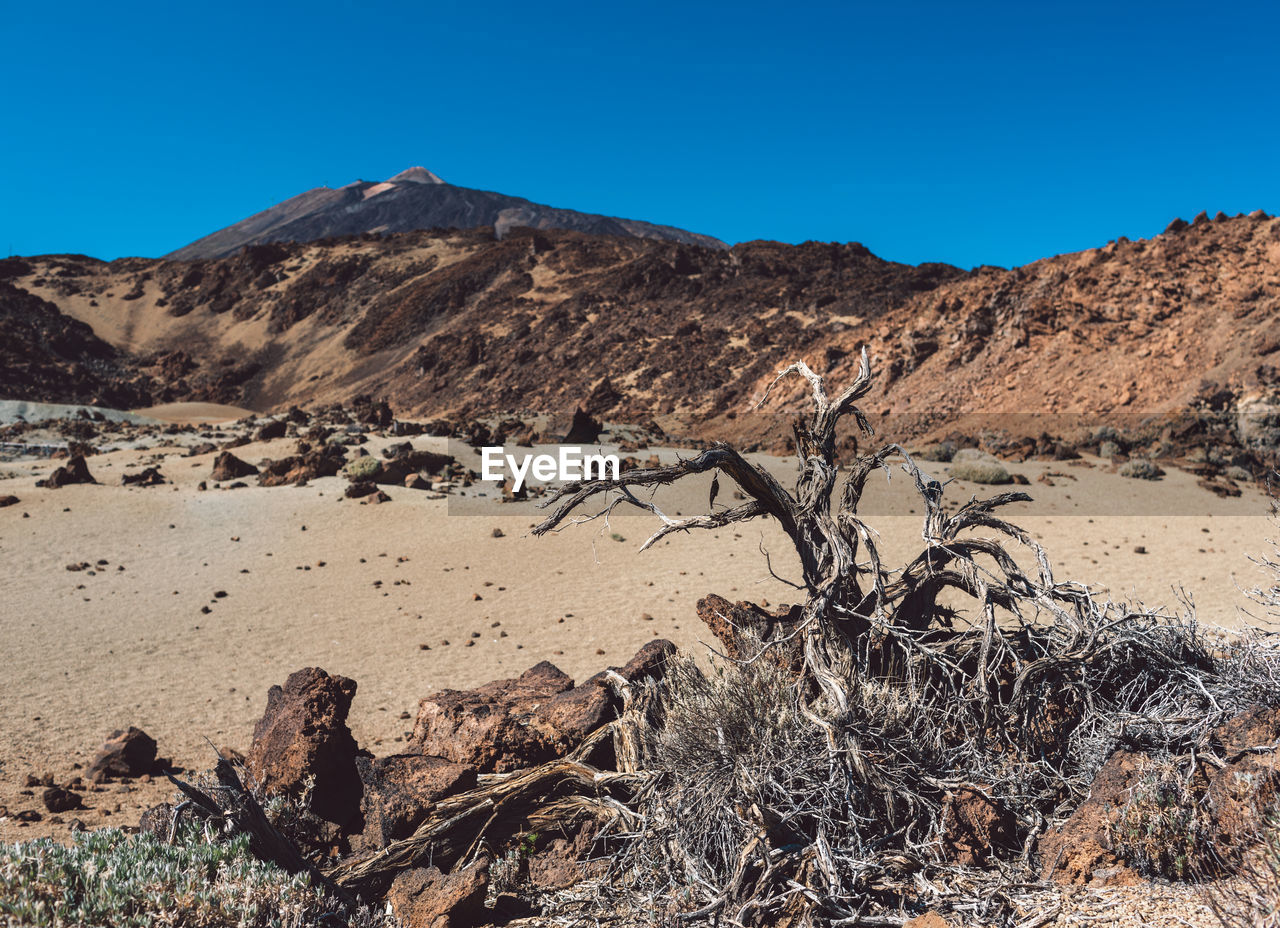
{"x": 195, "y": 602}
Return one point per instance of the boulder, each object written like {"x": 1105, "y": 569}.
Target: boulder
{"x": 583, "y": 430}
{"x": 516, "y": 723}
{"x": 227, "y": 466}
{"x": 732, "y": 622}
{"x": 74, "y": 471}
{"x": 1080, "y": 847}
{"x": 360, "y": 488}
{"x": 1239, "y": 795}
{"x": 427, "y": 898}
{"x": 8, "y": 501}
{"x": 565, "y": 860}
{"x": 276, "y": 428}
{"x": 308, "y": 464}
{"x": 303, "y": 734}
{"x": 56, "y": 800}
{"x": 399, "y": 791}
{"x": 129, "y": 753}
{"x": 151, "y": 477}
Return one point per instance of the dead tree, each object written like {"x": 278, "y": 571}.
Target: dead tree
{"x": 859, "y": 617}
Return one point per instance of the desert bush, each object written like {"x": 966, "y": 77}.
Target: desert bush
{"x": 1235, "y": 472}
{"x": 1141, "y": 469}
{"x": 804, "y": 771}
{"x": 981, "y": 471}
{"x": 1108, "y": 449}
{"x": 941, "y": 452}
{"x": 363, "y": 468}
{"x": 1164, "y": 829}
{"x": 1104, "y": 433}
{"x": 110, "y": 878}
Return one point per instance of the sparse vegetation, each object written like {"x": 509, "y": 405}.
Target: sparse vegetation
{"x": 363, "y": 468}
{"x": 110, "y": 878}
{"x": 987, "y": 472}
{"x": 1141, "y": 469}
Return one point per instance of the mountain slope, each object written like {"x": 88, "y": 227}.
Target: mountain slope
{"x": 411, "y": 200}
{"x": 462, "y": 322}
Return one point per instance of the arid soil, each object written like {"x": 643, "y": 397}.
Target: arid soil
{"x": 174, "y": 608}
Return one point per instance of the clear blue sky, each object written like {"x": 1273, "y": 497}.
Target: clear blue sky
{"x": 971, "y": 133}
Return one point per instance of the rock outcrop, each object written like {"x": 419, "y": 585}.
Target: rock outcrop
{"x": 302, "y": 743}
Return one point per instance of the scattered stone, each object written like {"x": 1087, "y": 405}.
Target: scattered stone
{"x": 583, "y": 430}
{"x": 8, "y": 501}
{"x": 57, "y": 799}
{"x": 227, "y": 466}
{"x": 74, "y": 471}
{"x": 151, "y": 477}
{"x": 128, "y": 753}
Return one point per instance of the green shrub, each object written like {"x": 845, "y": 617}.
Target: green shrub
{"x": 364, "y": 468}
{"x": 110, "y": 878}
{"x": 985, "y": 471}
{"x": 1141, "y": 469}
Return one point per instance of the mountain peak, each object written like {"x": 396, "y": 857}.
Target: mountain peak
{"x": 415, "y": 175}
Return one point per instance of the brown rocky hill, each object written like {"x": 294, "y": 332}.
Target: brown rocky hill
{"x": 445, "y": 322}
{"x": 47, "y": 356}
{"x": 412, "y": 200}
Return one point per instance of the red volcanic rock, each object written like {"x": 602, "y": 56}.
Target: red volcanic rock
{"x": 303, "y": 733}
{"x": 400, "y": 790}
{"x": 360, "y": 488}
{"x": 129, "y": 753}
{"x": 74, "y": 471}
{"x": 56, "y": 799}
{"x": 227, "y": 466}
{"x": 151, "y": 477}
{"x": 427, "y": 898}
{"x": 728, "y": 621}
{"x": 511, "y": 724}
{"x": 308, "y": 464}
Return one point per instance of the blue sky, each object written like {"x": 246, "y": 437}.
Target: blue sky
{"x": 977, "y": 133}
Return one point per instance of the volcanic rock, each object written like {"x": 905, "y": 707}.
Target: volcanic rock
{"x": 427, "y": 898}
{"x": 308, "y": 464}
{"x": 276, "y": 428}
{"x": 583, "y": 430}
{"x": 8, "y": 501}
{"x": 129, "y": 753}
{"x": 227, "y": 466}
{"x": 302, "y": 734}
{"x": 57, "y": 800}
{"x": 74, "y": 471}
{"x": 511, "y": 724}
{"x": 977, "y": 829}
{"x": 151, "y": 477}
{"x": 400, "y": 790}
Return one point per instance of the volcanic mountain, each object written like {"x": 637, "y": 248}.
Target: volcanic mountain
{"x": 466, "y": 323}
{"x": 414, "y": 199}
